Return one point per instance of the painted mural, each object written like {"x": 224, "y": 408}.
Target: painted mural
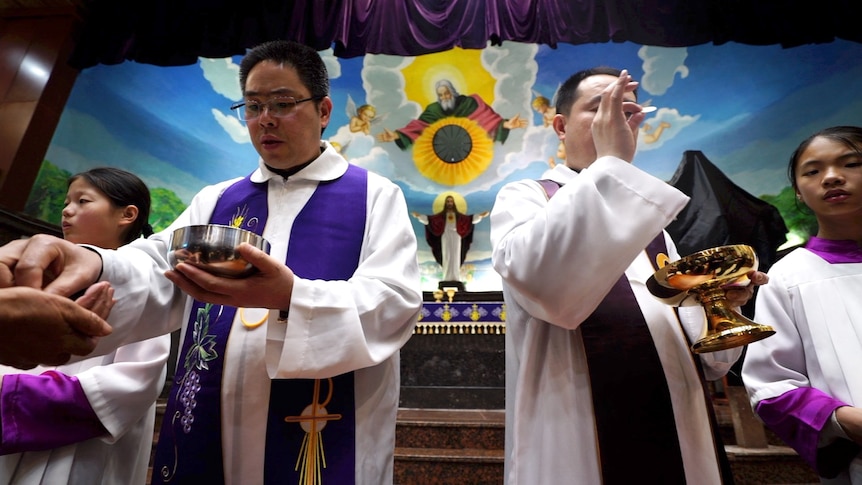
{"x": 463, "y": 122}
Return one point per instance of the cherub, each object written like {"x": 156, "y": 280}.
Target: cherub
{"x": 361, "y": 118}
{"x": 542, "y": 105}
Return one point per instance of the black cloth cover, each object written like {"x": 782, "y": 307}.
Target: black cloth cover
{"x": 722, "y": 213}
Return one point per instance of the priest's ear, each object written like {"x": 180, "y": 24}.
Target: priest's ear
{"x": 559, "y": 125}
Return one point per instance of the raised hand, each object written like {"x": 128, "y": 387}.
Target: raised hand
{"x": 615, "y": 126}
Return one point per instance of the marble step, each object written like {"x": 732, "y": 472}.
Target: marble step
{"x": 447, "y": 446}
{"x": 440, "y": 466}
{"x": 441, "y": 446}
{"x": 450, "y": 429}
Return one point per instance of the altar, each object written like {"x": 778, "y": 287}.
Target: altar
{"x": 456, "y": 357}
{"x": 482, "y": 317}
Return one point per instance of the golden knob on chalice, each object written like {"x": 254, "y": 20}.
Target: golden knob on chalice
{"x": 707, "y": 275}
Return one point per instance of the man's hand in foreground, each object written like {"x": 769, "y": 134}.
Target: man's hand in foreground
{"x": 37, "y": 327}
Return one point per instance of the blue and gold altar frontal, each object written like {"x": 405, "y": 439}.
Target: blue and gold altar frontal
{"x": 462, "y": 318}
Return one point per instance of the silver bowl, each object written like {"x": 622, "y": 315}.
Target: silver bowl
{"x": 213, "y": 248}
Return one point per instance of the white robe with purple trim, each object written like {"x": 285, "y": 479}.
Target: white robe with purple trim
{"x": 356, "y": 325}
{"x": 558, "y": 259}
{"x": 816, "y": 310}
{"x": 122, "y": 388}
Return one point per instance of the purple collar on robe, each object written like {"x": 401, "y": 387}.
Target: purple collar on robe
{"x": 835, "y": 251}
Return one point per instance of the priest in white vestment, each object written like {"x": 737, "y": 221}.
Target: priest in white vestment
{"x": 559, "y": 254}
{"x": 284, "y": 328}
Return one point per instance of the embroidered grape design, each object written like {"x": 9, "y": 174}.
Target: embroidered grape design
{"x": 191, "y": 385}
{"x": 200, "y": 353}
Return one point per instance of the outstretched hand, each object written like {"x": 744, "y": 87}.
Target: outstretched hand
{"x": 40, "y": 328}
{"x": 387, "y": 136}
{"x": 271, "y": 287}
{"x": 515, "y": 122}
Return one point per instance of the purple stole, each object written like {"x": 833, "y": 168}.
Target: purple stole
{"x": 325, "y": 243}
{"x": 633, "y": 410}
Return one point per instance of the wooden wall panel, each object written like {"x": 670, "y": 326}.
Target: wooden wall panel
{"x": 35, "y": 83}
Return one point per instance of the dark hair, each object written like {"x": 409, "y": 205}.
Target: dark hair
{"x": 307, "y": 62}
{"x": 567, "y": 94}
{"x": 850, "y": 136}
{"x": 122, "y": 188}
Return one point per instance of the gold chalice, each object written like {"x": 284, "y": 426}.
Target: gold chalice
{"x": 707, "y": 275}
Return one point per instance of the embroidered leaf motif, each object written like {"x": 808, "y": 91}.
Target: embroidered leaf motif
{"x": 201, "y": 350}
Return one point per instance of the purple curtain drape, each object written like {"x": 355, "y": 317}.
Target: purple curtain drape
{"x": 177, "y": 32}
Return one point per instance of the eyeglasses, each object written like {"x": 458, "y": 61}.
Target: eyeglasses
{"x": 280, "y": 107}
